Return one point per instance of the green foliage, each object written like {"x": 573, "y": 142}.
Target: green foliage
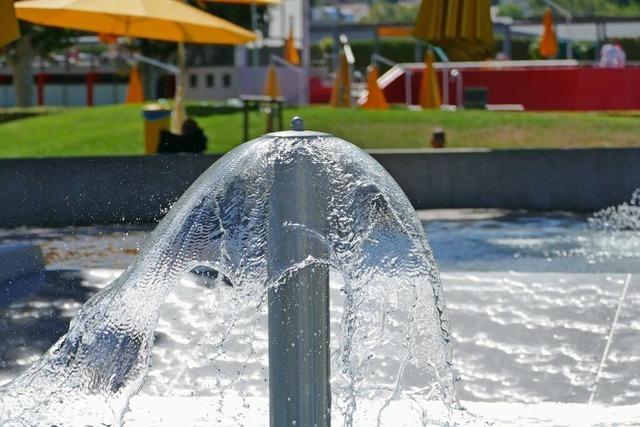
{"x": 118, "y": 129}
{"x": 382, "y": 11}
{"x": 511, "y": 10}
{"x": 45, "y": 40}
{"x": 403, "y": 50}
{"x": 325, "y": 45}
{"x": 592, "y": 7}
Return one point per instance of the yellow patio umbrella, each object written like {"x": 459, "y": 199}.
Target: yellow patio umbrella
{"x": 258, "y": 2}
{"x": 168, "y": 20}
{"x": 548, "y": 41}
{"x": 429, "y": 89}
{"x": 9, "y": 30}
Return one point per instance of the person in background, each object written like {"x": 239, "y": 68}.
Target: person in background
{"x": 196, "y": 141}
{"x": 612, "y": 56}
{"x": 192, "y": 140}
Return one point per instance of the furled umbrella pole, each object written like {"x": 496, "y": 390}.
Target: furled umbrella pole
{"x": 167, "y": 20}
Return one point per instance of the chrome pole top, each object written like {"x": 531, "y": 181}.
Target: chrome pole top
{"x": 297, "y": 130}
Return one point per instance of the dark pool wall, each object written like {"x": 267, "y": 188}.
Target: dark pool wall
{"x": 73, "y": 191}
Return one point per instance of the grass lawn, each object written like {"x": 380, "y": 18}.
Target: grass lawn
{"x": 117, "y": 130}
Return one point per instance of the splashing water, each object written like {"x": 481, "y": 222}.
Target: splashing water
{"x": 622, "y": 217}
{"x": 392, "y": 342}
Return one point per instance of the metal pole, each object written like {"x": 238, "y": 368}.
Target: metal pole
{"x": 306, "y": 48}
{"x": 254, "y": 27}
{"x": 298, "y": 307}
{"x": 283, "y": 20}
{"x": 417, "y": 51}
{"x": 569, "y": 38}
{"x": 408, "y": 76}
{"x": 459, "y": 89}
{"x": 445, "y": 84}
{"x": 506, "y": 49}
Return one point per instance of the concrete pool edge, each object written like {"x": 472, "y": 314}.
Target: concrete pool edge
{"x": 109, "y": 190}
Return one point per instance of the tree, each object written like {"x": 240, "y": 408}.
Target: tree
{"x": 383, "y": 11}
{"x": 511, "y": 10}
{"x": 592, "y": 7}
{"x": 35, "y": 41}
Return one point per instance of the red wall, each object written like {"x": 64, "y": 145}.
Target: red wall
{"x": 565, "y": 88}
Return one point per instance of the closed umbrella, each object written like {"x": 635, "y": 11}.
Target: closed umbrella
{"x": 375, "y": 97}
{"x": 9, "y": 30}
{"x": 134, "y": 91}
{"x": 548, "y": 42}
{"x": 429, "y": 90}
{"x": 463, "y": 28}
{"x": 341, "y": 91}
{"x": 429, "y": 22}
{"x": 271, "y": 84}
{"x": 290, "y": 52}
{"x": 167, "y": 20}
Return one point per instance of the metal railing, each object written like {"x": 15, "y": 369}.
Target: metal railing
{"x": 408, "y": 75}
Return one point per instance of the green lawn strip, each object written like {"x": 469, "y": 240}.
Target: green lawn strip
{"x": 118, "y": 130}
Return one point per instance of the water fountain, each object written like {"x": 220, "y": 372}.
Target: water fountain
{"x": 284, "y": 221}
{"x": 625, "y": 216}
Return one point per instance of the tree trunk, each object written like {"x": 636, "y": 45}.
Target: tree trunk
{"x": 20, "y": 57}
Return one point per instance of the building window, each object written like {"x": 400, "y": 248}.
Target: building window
{"x": 193, "y": 80}
{"x": 210, "y": 80}
{"x": 226, "y": 80}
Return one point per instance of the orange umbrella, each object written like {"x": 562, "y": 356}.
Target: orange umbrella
{"x": 107, "y": 38}
{"x": 9, "y": 30}
{"x": 135, "y": 94}
{"x": 375, "y": 99}
{"x": 290, "y": 52}
{"x": 271, "y": 84}
{"x": 429, "y": 89}
{"x": 167, "y": 20}
{"x": 341, "y": 91}
{"x": 548, "y": 42}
